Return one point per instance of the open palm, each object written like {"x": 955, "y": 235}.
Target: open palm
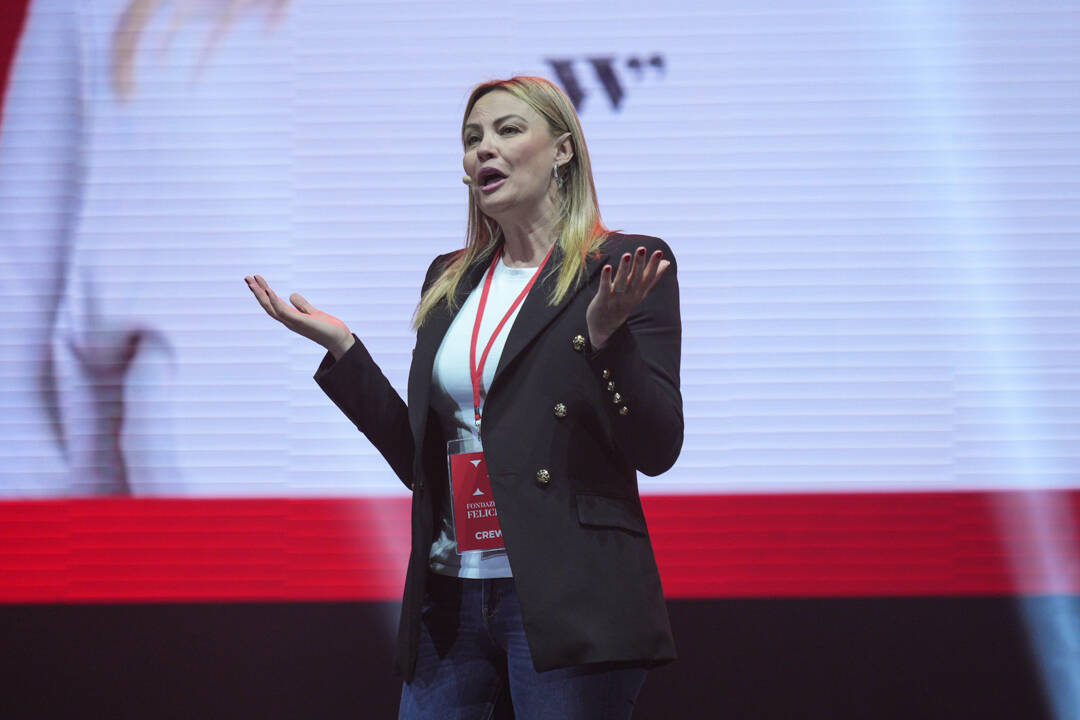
{"x": 302, "y": 317}
{"x": 621, "y": 291}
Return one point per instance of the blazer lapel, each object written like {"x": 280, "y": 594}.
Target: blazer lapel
{"x": 537, "y": 313}
{"x": 428, "y": 339}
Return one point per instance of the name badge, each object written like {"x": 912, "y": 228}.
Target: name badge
{"x": 476, "y": 522}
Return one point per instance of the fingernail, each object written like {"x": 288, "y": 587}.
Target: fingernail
{"x": 641, "y": 251}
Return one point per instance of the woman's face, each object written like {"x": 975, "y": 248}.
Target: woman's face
{"x": 509, "y": 152}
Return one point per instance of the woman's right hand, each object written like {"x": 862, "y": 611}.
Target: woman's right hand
{"x": 305, "y": 319}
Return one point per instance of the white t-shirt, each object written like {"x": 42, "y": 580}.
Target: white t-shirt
{"x": 452, "y": 399}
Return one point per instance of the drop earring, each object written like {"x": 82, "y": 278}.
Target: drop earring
{"x": 555, "y": 173}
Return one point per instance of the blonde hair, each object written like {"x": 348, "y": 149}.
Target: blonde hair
{"x": 577, "y": 223}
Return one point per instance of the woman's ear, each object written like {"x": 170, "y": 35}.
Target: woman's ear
{"x": 564, "y": 149}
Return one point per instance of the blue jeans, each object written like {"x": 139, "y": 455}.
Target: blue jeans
{"x": 472, "y": 643}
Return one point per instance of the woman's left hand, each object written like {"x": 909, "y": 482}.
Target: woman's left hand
{"x": 619, "y": 295}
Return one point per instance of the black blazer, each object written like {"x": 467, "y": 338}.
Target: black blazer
{"x": 565, "y": 487}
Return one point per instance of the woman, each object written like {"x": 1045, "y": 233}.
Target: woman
{"x": 547, "y": 353}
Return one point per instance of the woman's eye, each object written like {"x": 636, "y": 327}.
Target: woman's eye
{"x": 471, "y": 140}
{"x": 509, "y": 130}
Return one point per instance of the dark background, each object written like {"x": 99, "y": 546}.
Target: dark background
{"x": 739, "y": 658}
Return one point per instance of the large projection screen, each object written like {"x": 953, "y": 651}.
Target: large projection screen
{"x": 874, "y": 210}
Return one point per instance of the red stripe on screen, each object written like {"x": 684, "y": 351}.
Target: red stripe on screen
{"x": 707, "y": 546}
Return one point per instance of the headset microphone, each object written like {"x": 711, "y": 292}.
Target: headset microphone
{"x": 467, "y": 180}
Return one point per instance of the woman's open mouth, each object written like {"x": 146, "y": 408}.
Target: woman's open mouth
{"x": 490, "y": 179}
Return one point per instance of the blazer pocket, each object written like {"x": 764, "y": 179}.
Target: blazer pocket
{"x": 602, "y": 511}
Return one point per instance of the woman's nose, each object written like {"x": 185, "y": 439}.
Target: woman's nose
{"x": 484, "y": 149}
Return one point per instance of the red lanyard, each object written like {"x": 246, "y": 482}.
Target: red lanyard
{"x": 476, "y": 372}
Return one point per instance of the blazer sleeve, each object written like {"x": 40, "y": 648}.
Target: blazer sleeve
{"x": 641, "y": 361}
{"x": 361, "y": 391}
